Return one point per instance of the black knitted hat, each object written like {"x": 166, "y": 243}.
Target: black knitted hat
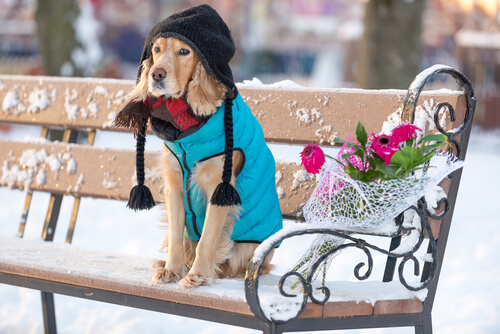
{"x": 207, "y": 34}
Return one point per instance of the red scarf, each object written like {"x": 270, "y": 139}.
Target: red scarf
{"x": 135, "y": 114}
{"x": 175, "y": 111}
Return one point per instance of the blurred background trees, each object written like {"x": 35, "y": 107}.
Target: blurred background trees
{"x": 391, "y": 46}
{"x": 57, "y": 36}
{"x": 328, "y": 43}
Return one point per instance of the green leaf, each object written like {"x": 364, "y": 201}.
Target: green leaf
{"x": 432, "y": 147}
{"x": 347, "y": 156}
{"x": 361, "y": 135}
{"x": 341, "y": 141}
{"x": 435, "y": 137}
{"x": 427, "y": 157}
{"x": 388, "y": 171}
{"x": 401, "y": 158}
{"x": 360, "y": 154}
{"x": 372, "y": 175}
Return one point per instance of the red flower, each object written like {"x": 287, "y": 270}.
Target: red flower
{"x": 313, "y": 158}
{"x": 404, "y": 131}
{"x": 384, "y": 146}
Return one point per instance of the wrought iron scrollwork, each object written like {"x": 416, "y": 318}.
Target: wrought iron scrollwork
{"x": 251, "y": 280}
{"x": 416, "y": 87}
{"x": 420, "y": 209}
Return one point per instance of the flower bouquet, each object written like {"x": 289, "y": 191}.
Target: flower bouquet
{"x": 373, "y": 180}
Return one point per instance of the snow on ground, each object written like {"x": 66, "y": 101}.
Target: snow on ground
{"x": 467, "y": 300}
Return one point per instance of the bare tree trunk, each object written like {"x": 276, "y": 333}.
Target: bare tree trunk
{"x": 390, "y": 51}
{"x": 56, "y": 35}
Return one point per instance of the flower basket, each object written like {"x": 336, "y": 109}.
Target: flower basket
{"x": 348, "y": 204}
{"x": 374, "y": 179}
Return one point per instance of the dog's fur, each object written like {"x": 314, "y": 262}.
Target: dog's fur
{"x": 215, "y": 255}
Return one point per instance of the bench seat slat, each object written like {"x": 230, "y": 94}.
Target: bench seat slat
{"x": 304, "y": 115}
{"x": 130, "y": 275}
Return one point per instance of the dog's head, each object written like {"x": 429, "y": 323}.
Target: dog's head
{"x": 174, "y": 70}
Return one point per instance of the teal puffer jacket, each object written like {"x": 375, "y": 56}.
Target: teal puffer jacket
{"x": 260, "y": 216}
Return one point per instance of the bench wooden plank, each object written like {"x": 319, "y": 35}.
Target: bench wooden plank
{"x": 304, "y": 114}
{"x": 321, "y": 115}
{"x": 86, "y": 171}
{"x": 62, "y": 102}
{"x": 70, "y": 169}
{"x": 130, "y": 275}
{"x": 110, "y": 173}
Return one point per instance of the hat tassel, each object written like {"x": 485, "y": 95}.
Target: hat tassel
{"x": 225, "y": 194}
{"x": 140, "y": 196}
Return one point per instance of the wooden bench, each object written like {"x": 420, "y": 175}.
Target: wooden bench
{"x": 288, "y": 115}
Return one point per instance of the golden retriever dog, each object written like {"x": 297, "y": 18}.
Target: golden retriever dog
{"x": 219, "y": 185}
{"x": 174, "y": 71}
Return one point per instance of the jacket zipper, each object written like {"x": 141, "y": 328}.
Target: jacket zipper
{"x": 188, "y": 190}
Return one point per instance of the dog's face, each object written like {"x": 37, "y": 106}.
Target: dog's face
{"x": 174, "y": 63}
{"x": 174, "y": 70}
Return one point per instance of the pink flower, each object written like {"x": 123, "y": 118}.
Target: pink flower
{"x": 384, "y": 146}
{"x": 354, "y": 159}
{"x": 404, "y": 131}
{"x": 313, "y": 158}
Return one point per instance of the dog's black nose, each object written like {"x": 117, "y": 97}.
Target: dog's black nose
{"x": 159, "y": 74}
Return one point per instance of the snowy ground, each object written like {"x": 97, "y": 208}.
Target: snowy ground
{"x": 468, "y": 296}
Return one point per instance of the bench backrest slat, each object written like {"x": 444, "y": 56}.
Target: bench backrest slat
{"x": 303, "y": 114}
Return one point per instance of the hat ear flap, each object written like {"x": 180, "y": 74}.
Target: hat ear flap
{"x": 134, "y": 116}
{"x": 204, "y": 93}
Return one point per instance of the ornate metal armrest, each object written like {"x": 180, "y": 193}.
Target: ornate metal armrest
{"x": 421, "y": 210}
{"x": 253, "y": 273}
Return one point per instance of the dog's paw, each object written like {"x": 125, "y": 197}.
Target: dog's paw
{"x": 164, "y": 275}
{"x": 194, "y": 280}
{"x": 155, "y": 264}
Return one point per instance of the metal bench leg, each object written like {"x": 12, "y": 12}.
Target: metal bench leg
{"x": 426, "y": 327}
{"x": 49, "y": 229}
{"x": 271, "y": 329}
{"x": 49, "y": 314}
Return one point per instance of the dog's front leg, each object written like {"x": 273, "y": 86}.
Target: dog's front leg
{"x": 214, "y": 246}
{"x": 208, "y": 253}
{"x": 173, "y": 269}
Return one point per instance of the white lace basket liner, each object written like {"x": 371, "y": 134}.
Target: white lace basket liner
{"x": 352, "y": 205}
{"x": 349, "y": 204}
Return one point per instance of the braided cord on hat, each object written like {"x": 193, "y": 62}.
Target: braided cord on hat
{"x": 225, "y": 194}
{"x": 140, "y": 196}
{"x": 139, "y": 158}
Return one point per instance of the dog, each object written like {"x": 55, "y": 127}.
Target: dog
{"x": 174, "y": 70}
{"x": 186, "y": 92}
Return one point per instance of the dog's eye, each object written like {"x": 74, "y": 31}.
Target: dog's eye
{"x": 157, "y": 49}
{"x": 184, "y": 52}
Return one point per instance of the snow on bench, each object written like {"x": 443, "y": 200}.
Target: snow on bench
{"x": 129, "y": 275}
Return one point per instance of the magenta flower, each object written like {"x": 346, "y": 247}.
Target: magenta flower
{"x": 384, "y": 146}
{"x": 353, "y": 159}
{"x": 313, "y": 158}
{"x": 404, "y": 131}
